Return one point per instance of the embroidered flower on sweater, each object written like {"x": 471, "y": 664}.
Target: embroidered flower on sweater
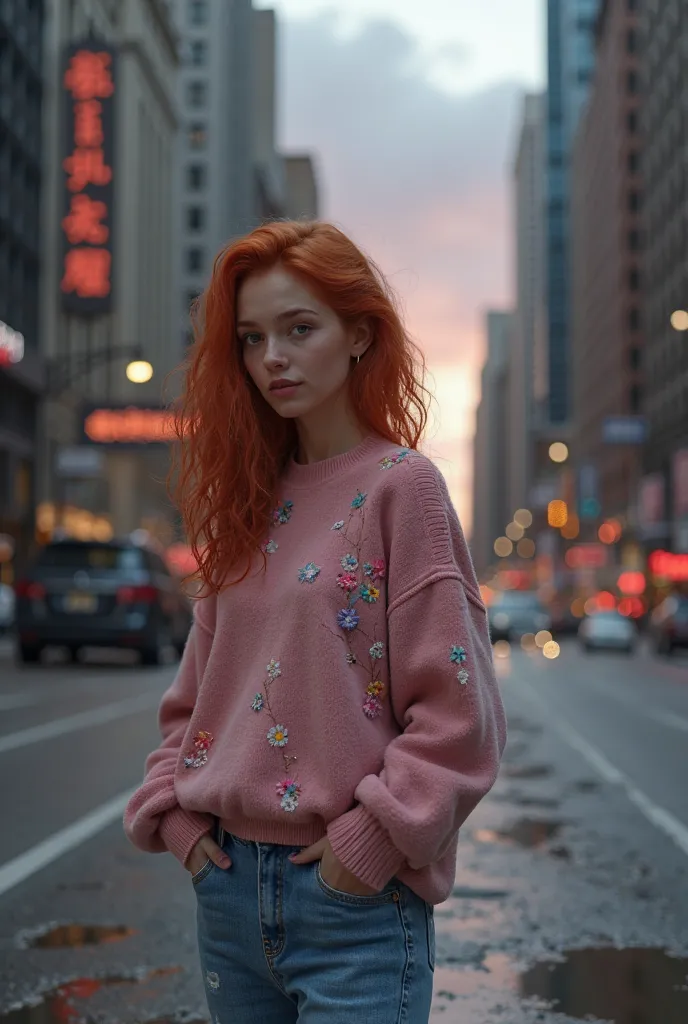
{"x": 372, "y": 707}
{"x": 278, "y": 736}
{"x": 258, "y": 702}
{"x": 393, "y": 460}
{"x": 199, "y": 756}
{"x": 349, "y": 562}
{"x": 351, "y": 658}
{"x": 377, "y": 651}
{"x": 359, "y": 500}
{"x": 339, "y": 525}
{"x": 282, "y": 513}
{"x": 375, "y": 570}
{"x": 289, "y": 790}
{"x": 463, "y": 676}
{"x": 348, "y": 619}
{"x": 369, "y": 594}
{"x": 309, "y": 573}
{"x": 273, "y": 669}
{"x": 347, "y": 581}
{"x": 270, "y": 547}
{"x": 458, "y": 655}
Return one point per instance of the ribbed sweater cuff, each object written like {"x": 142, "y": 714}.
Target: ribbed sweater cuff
{"x": 364, "y": 847}
{"x": 180, "y": 830}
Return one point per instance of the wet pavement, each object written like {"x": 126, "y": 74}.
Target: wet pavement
{"x": 569, "y": 905}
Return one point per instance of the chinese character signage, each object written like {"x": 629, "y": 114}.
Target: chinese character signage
{"x": 89, "y": 90}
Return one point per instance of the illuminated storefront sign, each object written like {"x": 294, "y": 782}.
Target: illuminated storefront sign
{"x": 89, "y": 87}
{"x": 131, "y": 426}
{"x": 670, "y": 566}
{"x": 11, "y": 345}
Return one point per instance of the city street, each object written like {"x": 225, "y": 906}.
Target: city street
{"x": 581, "y": 846}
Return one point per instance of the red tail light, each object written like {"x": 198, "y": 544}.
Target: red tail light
{"x": 137, "y": 595}
{"x": 30, "y": 590}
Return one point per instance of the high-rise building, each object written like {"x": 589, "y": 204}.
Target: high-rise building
{"x": 108, "y": 282}
{"x": 606, "y": 244}
{"x": 570, "y": 62}
{"x": 526, "y": 352}
{"x": 21, "y": 366}
{"x": 664, "y": 271}
{"x": 491, "y": 512}
{"x": 214, "y": 155}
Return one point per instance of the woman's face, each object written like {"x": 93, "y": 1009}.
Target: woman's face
{"x": 295, "y": 348}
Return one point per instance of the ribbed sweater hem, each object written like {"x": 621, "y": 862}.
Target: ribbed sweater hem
{"x": 282, "y": 833}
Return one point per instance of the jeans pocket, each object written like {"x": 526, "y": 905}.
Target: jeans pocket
{"x": 203, "y": 872}
{"x": 430, "y": 932}
{"x": 388, "y": 895}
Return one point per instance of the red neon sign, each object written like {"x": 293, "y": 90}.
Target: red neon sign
{"x": 668, "y": 565}
{"x": 88, "y": 80}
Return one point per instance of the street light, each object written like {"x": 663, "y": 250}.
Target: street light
{"x": 679, "y": 320}
{"x": 558, "y": 452}
{"x": 139, "y": 371}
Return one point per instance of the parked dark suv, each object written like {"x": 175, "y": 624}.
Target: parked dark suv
{"x": 93, "y": 594}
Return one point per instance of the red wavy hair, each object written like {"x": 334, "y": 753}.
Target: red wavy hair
{"x": 232, "y": 446}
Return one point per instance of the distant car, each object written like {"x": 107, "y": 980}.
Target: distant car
{"x": 669, "y": 624}
{"x": 513, "y": 613}
{"x": 7, "y": 606}
{"x": 608, "y": 631}
{"x": 92, "y": 594}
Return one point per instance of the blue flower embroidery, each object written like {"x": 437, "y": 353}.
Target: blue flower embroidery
{"x": 458, "y": 655}
{"x": 309, "y": 573}
{"x": 349, "y": 562}
{"x": 369, "y": 594}
{"x": 393, "y": 460}
{"x": 258, "y": 702}
{"x": 282, "y": 513}
{"x": 347, "y": 618}
{"x": 359, "y": 500}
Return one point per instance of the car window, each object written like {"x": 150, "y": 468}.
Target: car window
{"x": 90, "y": 556}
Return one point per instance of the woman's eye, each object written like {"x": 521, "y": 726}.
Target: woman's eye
{"x": 251, "y": 339}
{"x": 302, "y": 329}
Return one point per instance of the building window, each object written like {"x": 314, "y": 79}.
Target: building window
{"x": 196, "y": 177}
{"x": 198, "y": 12}
{"x": 199, "y": 53}
{"x": 633, "y": 201}
{"x": 634, "y": 358}
{"x": 633, "y": 162}
{"x": 191, "y": 298}
{"x": 634, "y": 239}
{"x": 197, "y": 136}
{"x": 632, "y": 82}
{"x": 632, "y": 5}
{"x": 634, "y": 319}
{"x": 632, "y": 121}
{"x": 195, "y": 218}
{"x": 635, "y": 398}
{"x": 196, "y": 94}
{"x": 634, "y": 280}
{"x": 194, "y": 259}
{"x": 631, "y": 41}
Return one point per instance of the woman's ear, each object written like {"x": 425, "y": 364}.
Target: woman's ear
{"x": 362, "y": 337}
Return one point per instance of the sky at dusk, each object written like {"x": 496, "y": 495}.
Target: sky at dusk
{"x": 411, "y": 110}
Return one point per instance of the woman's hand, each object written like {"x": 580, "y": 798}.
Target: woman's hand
{"x": 332, "y": 870}
{"x": 206, "y": 849}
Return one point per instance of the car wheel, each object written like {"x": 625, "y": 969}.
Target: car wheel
{"x": 29, "y": 654}
{"x": 73, "y": 653}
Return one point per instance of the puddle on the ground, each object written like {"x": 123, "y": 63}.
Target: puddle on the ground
{"x": 527, "y": 771}
{"x": 531, "y": 833}
{"x": 466, "y": 892}
{"x": 75, "y": 936}
{"x": 57, "y": 1005}
{"x": 641, "y": 986}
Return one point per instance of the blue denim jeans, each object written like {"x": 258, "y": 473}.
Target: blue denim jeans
{"x": 278, "y": 945}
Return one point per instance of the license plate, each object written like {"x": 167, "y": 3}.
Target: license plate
{"x": 80, "y": 602}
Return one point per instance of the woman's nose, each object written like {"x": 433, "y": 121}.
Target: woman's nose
{"x": 274, "y": 353}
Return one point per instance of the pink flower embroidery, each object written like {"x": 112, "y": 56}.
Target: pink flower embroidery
{"x": 199, "y": 756}
{"x": 347, "y": 581}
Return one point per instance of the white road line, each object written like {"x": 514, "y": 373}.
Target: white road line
{"x": 8, "y": 701}
{"x": 82, "y": 720}
{"x": 671, "y": 719}
{"x": 28, "y": 863}
{"x": 656, "y": 815}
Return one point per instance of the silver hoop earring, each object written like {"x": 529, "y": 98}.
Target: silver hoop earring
{"x": 358, "y": 359}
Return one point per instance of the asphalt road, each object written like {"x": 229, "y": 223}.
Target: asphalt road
{"x": 583, "y": 841}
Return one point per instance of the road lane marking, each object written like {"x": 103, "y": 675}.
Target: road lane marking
{"x": 656, "y": 815}
{"x": 671, "y": 719}
{"x": 8, "y": 701}
{"x": 82, "y": 720}
{"x": 28, "y": 863}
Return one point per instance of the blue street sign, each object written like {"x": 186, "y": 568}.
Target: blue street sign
{"x": 624, "y": 430}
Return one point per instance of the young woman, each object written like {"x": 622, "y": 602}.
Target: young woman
{"x": 335, "y": 717}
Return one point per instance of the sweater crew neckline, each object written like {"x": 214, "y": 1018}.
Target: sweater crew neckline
{"x": 298, "y": 475}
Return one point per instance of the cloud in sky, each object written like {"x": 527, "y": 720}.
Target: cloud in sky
{"x": 421, "y": 180}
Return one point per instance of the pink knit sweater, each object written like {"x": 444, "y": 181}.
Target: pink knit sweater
{"x": 347, "y": 689}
